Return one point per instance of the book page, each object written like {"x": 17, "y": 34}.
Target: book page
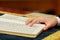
{"x": 17, "y": 24}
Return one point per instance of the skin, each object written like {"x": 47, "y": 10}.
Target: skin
{"x": 49, "y": 22}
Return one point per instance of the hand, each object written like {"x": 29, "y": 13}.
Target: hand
{"x": 49, "y": 22}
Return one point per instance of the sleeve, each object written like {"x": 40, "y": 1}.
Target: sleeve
{"x": 58, "y": 21}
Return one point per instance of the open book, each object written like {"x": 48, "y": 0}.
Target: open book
{"x": 15, "y": 25}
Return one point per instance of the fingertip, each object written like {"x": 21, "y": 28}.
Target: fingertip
{"x": 30, "y": 25}
{"x": 45, "y": 29}
{"x": 28, "y": 21}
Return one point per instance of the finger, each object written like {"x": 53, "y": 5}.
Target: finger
{"x": 47, "y": 27}
{"x": 30, "y": 20}
{"x": 33, "y": 22}
{"x": 41, "y": 21}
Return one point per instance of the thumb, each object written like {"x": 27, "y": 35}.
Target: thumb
{"x": 47, "y": 27}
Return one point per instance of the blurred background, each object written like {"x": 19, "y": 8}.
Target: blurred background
{"x": 44, "y": 6}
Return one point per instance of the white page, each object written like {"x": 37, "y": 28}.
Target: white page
{"x": 13, "y": 23}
